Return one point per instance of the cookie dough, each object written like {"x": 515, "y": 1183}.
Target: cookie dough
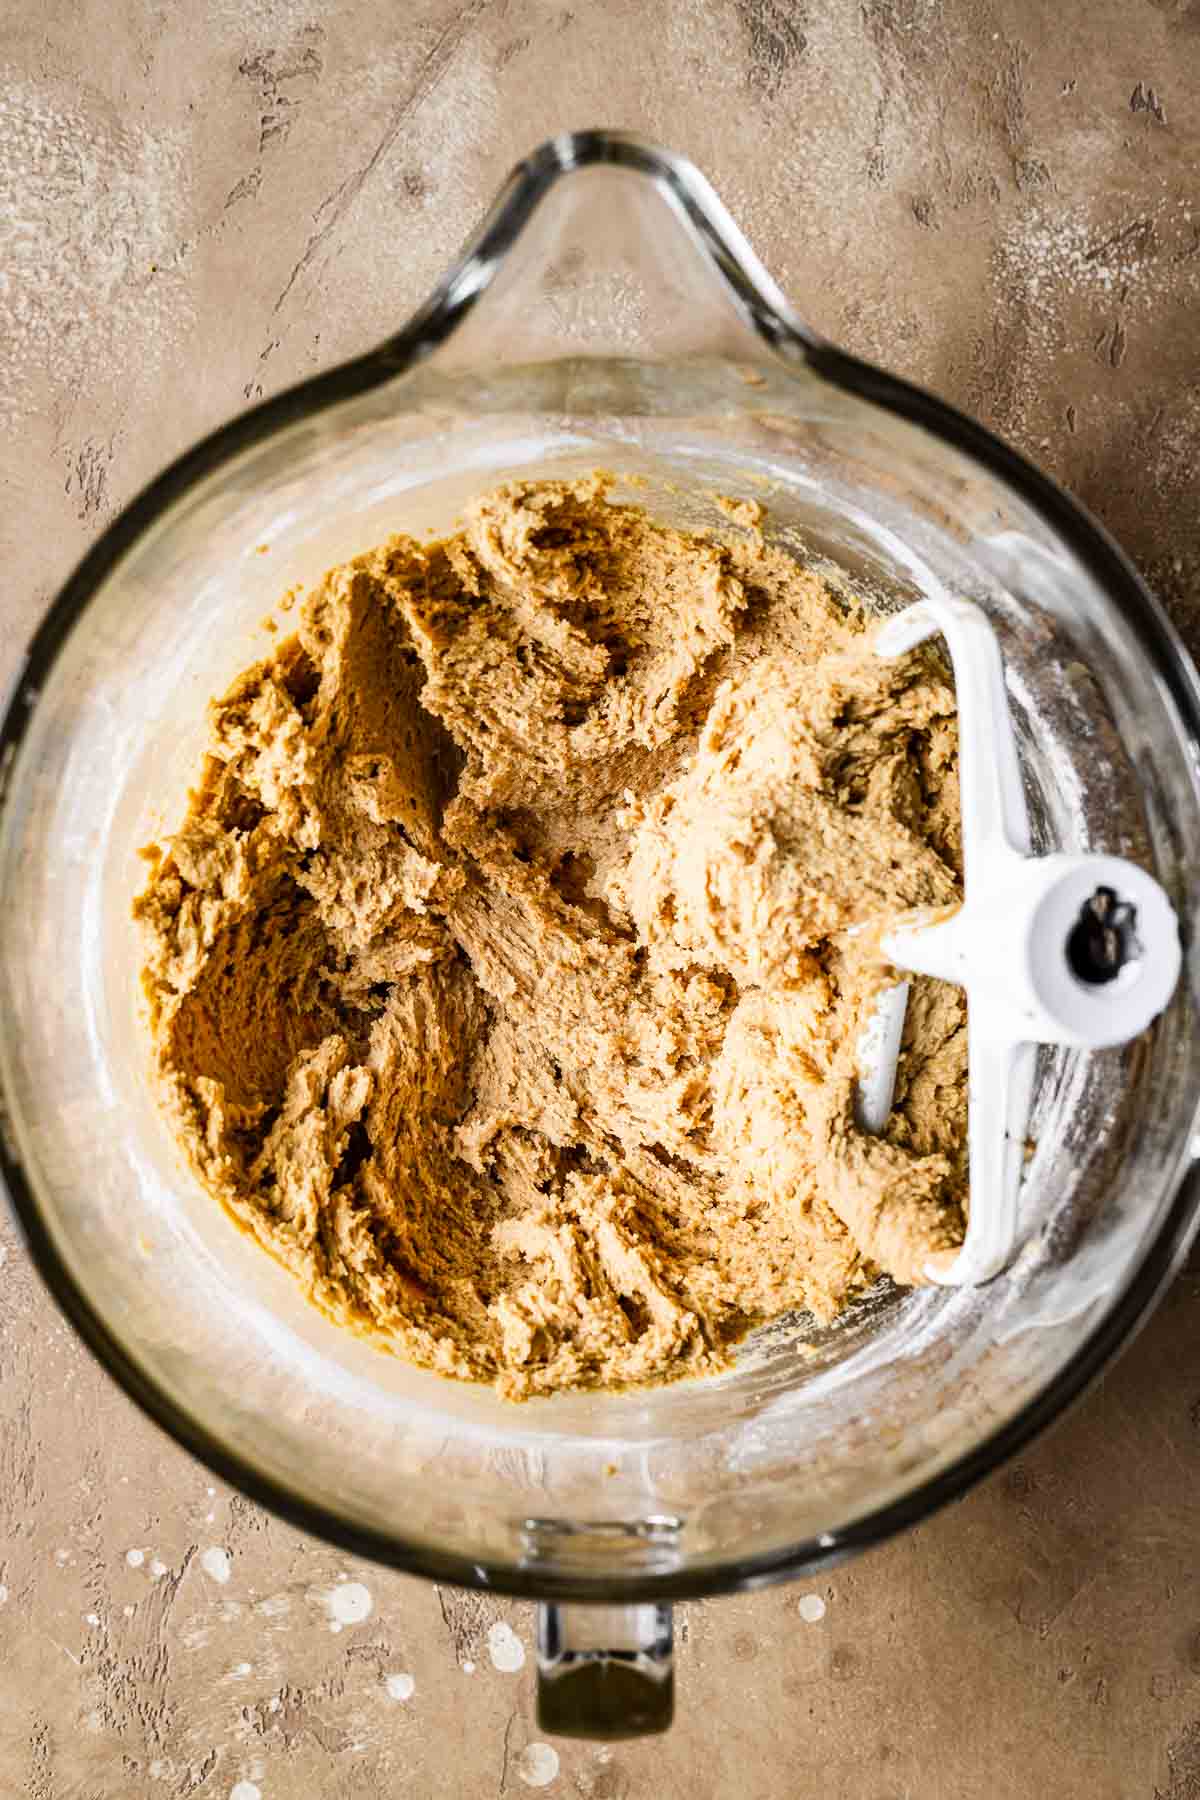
{"x": 506, "y": 971}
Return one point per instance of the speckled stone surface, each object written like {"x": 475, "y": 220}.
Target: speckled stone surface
{"x": 201, "y": 202}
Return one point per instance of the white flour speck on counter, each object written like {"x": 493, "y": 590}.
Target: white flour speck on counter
{"x": 347, "y": 1604}
{"x": 92, "y": 220}
{"x": 811, "y": 1608}
{"x": 537, "y": 1765}
{"x": 216, "y": 1564}
{"x": 273, "y": 1606}
{"x": 505, "y": 1648}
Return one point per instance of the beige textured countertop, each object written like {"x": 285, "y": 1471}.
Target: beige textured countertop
{"x": 200, "y": 202}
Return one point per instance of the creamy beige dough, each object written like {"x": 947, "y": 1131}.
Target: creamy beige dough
{"x": 505, "y": 973}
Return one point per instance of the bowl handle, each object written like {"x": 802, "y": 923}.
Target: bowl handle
{"x": 605, "y": 1671}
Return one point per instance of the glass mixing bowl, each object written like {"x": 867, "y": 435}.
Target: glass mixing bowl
{"x": 608, "y": 313}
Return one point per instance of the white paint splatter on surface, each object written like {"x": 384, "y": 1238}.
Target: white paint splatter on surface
{"x": 348, "y": 1604}
{"x": 811, "y": 1608}
{"x": 537, "y": 1765}
{"x": 505, "y": 1648}
{"x": 468, "y": 1668}
{"x": 242, "y": 1668}
{"x": 245, "y": 1790}
{"x": 400, "y": 1686}
{"x": 158, "y": 1569}
{"x": 215, "y": 1563}
{"x": 135, "y": 1558}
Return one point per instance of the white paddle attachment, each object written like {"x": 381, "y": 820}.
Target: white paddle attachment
{"x": 1059, "y": 949}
